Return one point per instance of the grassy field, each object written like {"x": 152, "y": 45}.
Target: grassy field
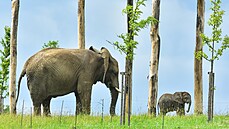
{"x": 93, "y": 122}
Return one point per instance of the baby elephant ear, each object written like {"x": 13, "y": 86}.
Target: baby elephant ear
{"x": 106, "y": 56}
{"x": 178, "y": 97}
{"x": 186, "y": 94}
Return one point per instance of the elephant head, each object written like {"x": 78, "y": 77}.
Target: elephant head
{"x": 182, "y": 98}
{"x": 110, "y": 75}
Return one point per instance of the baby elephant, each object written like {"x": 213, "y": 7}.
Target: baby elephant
{"x": 174, "y": 102}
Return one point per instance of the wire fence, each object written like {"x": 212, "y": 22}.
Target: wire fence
{"x": 102, "y": 107}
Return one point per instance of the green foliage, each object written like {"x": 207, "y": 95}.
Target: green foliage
{"x": 94, "y": 122}
{"x": 129, "y": 44}
{"x": 51, "y": 44}
{"x": 5, "y": 62}
{"x": 215, "y": 22}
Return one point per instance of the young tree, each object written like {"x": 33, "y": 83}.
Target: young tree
{"x": 13, "y": 56}
{"x": 51, "y": 44}
{"x": 4, "y": 67}
{"x": 216, "y": 45}
{"x": 198, "y": 70}
{"x": 154, "y": 60}
{"x": 81, "y": 24}
{"x": 129, "y": 66}
{"x": 129, "y": 44}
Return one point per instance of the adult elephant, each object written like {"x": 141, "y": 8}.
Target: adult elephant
{"x": 174, "y": 102}
{"x": 55, "y": 72}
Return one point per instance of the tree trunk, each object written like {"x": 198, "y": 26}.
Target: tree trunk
{"x": 154, "y": 60}
{"x": 81, "y": 24}
{"x": 1, "y": 104}
{"x": 198, "y": 79}
{"x": 13, "y": 56}
{"x": 128, "y": 84}
{"x": 128, "y": 70}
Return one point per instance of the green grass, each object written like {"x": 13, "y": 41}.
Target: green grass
{"x": 93, "y": 122}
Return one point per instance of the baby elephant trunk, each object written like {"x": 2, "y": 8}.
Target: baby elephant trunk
{"x": 189, "y": 106}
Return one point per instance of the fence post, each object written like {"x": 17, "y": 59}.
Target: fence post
{"x": 123, "y": 91}
{"x": 102, "y": 109}
{"x": 163, "y": 120}
{"x": 61, "y": 110}
{"x": 211, "y": 96}
{"x": 31, "y": 117}
{"x": 75, "y": 119}
{"x": 22, "y": 112}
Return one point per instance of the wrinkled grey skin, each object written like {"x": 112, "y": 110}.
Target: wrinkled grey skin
{"x": 55, "y": 72}
{"x": 174, "y": 102}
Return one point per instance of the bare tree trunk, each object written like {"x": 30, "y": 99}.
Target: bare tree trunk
{"x": 198, "y": 79}
{"x": 154, "y": 60}
{"x": 13, "y": 56}
{"x": 81, "y": 24}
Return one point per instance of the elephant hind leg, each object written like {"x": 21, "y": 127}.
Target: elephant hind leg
{"x": 163, "y": 112}
{"x": 36, "y": 105}
{"x": 46, "y": 106}
{"x": 37, "y": 108}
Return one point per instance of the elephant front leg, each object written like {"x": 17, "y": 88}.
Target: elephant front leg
{"x": 180, "y": 110}
{"x": 78, "y": 104}
{"x": 84, "y": 94}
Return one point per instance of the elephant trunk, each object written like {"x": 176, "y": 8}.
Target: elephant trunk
{"x": 114, "y": 98}
{"x": 189, "y": 106}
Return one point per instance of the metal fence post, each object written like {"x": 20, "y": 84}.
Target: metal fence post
{"x": 123, "y": 91}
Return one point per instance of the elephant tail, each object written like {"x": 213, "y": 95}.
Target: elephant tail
{"x": 19, "y": 83}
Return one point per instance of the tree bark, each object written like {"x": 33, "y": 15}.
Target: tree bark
{"x": 13, "y": 56}
{"x": 154, "y": 60}
{"x": 81, "y": 24}
{"x": 198, "y": 79}
{"x": 128, "y": 83}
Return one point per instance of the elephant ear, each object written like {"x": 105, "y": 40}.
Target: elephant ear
{"x": 178, "y": 97}
{"x": 94, "y": 50}
{"x": 106, "y": 56}
{"x": 185, "y": 93}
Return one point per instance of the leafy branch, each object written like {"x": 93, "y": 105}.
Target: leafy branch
{"x": 4, "y": 64}
{"x": 215, "y": 22}
{"x": 129, "y": 44}
{"x": 51, "y": 44}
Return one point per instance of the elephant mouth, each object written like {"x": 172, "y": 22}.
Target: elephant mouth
{"x": 109, "y": 85}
